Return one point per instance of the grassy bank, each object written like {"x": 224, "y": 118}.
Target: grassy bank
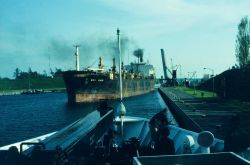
{"x": 196, "y": 93}
{"x": 34, "y": 83}
{"x": 231, "y": 105}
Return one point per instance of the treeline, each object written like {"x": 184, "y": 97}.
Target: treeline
{"x": 19, "y": 74}
{"x": 31, "y": 80}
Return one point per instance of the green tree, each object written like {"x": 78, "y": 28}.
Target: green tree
{"x": 58, "y": 72}
{"x": 17, "y": 73}
{"x": 44, "y": 74}
{"x": 243, "y": 42}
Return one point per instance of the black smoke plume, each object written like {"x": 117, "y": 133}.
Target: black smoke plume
{"x": 90, "y": 50}
{"x": 139, "y": 54}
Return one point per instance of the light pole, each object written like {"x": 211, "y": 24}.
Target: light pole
{"x": 213, "y": 77}
{"x": 193, "y": 77}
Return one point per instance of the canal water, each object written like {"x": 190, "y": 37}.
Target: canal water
{"x": 26, "y": 116}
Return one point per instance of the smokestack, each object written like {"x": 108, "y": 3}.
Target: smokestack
{"x": 141, "y": 59}
{"x": 164, "y": 64}
{"x": 139, "y": 54}
{"x": 77, "y": 57}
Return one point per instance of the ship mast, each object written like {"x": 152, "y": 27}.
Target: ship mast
{"x": 77, "y": 57}
{"x": 120, "y": 62}
{"x": 121, "y": 108}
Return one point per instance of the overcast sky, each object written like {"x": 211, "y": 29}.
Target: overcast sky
{"x": 195, "y": 34}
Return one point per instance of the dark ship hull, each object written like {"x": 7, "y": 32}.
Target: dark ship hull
{"x": 90, "y": 86}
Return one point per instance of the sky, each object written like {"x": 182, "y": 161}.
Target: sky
{"x": 195, "y": 34}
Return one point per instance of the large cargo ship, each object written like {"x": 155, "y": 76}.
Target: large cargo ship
{"x": 94, "y": 84}
{"x": 91, "y": 85}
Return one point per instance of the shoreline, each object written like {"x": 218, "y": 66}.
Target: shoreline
{"x": 30, "y": 91}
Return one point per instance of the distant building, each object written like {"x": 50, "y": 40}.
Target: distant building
{"x": 205, "y": 77}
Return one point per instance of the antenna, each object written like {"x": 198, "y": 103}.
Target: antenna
{"x": 77, "y": 57}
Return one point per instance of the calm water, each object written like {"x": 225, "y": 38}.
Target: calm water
{"x": 27, "y": 116}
